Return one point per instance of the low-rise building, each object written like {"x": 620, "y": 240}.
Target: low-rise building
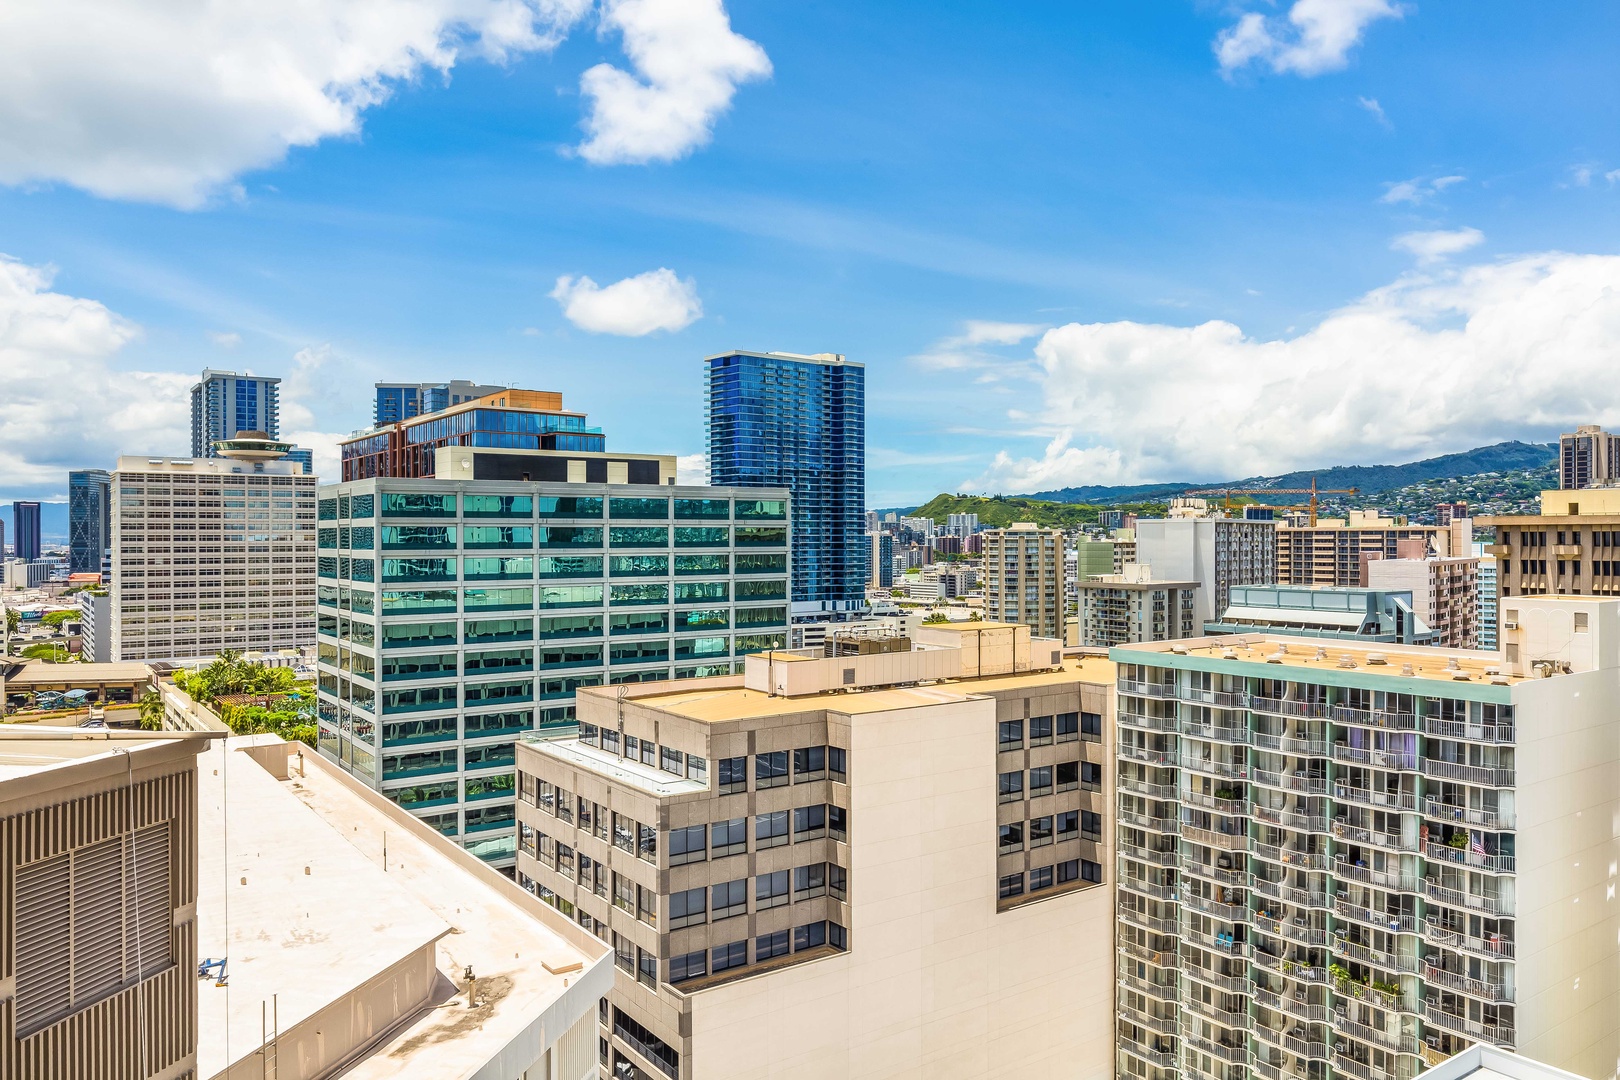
{"x": 861, "y": 866}
{"x": 1324, "y": 612}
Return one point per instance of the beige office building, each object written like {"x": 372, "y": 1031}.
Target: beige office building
{"x": 98, "y": 871}
{"x": 1587, "y": 458}
{"x": 1332, "y": 552}
{"x": 1572, "y": 548}
{"x": 1023, "y": 577}
{"x": 873, "y": 866}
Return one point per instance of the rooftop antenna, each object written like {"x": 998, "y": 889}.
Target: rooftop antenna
{"x": 621, "y": 693}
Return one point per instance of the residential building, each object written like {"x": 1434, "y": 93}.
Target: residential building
{"x": 405, "y": 401}
{"x": 1445, "y": 592}
{"x": 1095, "y": 558}
{"x": 451, "y": 970}
{"x": 1124, "y": 542}
{"x": 212, "y": 553}
{"x": 1023, "y": 577}
{"x": 961, "y": 526}
{"x": 821, "y": 868}
{"x": 881, "y": 560}
{"x": 304, "y": 458}
{"x": 1116, "y": 609}
{"x": 1332, "y": 551}
{"x": 89, "y": 519}
{"x": 1487, "y": 598}
{"x": 798, "y": 422}
{"x": 1216, "y": 552}
{"x": 224, "y": 403}
{"x": 1588, "y": 458}
{"x": 1327, "y": 612}
{"x": 1365, "y": 857}
{"x": 25, "y": 537}
{"x": 1571, "y": 548}
{"x": 1447, "y": 512}
{"x": 95, "y": 622}
{"x": 456, "y": 614}
{"x": 502, "y": 420}
{"x": 98, "y": 853}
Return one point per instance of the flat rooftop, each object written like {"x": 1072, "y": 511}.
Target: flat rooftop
{"x": 724, "y": 700}
{"x": 40, "y": 673}
{"x": 326, "y": 892}
{"x": 1428, "y": 662}
{"x": 27, "y": 749}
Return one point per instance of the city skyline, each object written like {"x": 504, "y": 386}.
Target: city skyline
{"x": 1230, "y": 204}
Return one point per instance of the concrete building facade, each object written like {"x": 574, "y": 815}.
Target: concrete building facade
{"x": 1445, "y": 593}
{"x": 1572, "y": 548}
{"x": 1117, "y": 609}
{"x": 822, "y": 868}
{"x": 1218, "y": 553}
{"x": 1587, "y": 458}
{"x": 1332, "y": 551}
{"x": 1023, "y": 577}
{"x": 1364, "y": 859}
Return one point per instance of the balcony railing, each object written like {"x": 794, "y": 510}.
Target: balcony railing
{"x": 1388, "y": 841}
{"x": 1215, "y": 873}
{"x": 1226, "y": 841}
{"x": 1221, "y": 944}
{"x": 1383, "y": 920}
{"x": 1232, "y": 984}
{"x": 1496, "y": 734}
{"x": 1163, "y": 1025}
{"x": 1133, "y": 786}
{"x": 1147, "y": 723}
{"x": 1164, "y": 1059}
{"x": 1290, "y": 820}
{"x": 1147, "y": 856}
{"x": 1483, "y": 775}
{"x": 1291, "y": 969}
{"x": 1489, "y": 948}
{"x": 1212, "y": 732}
{"x": 1389, "y": 1040}
{"x": 1393, "y": 800}
{"x": 1148, "y": 888}
{"x": 1498, "y": 864}
{"x": 1161, "y": 991}
{"x": 1289, "y": 744}
{"x": 1307, "y": 860}
{"x": 1308, "y": 710}
{"x": 1157, "y": 924}
{"x": 1232, "y": 770}
{"x": 1232, "y": 913}
{"x": 1238, "y": 1054}
{"x": 1493, "y": 990}
{"x": 1145, "y": 821}
{"x": 1234, "y": 807}
{"x": 1490, "y": 905}
{"x": 1301, "y": 782}
{"x": 1382, "y": 759}
{"x": 1232, "y": 1020}
{"x": 1488, "y": 819}
{"x": 1145, "y": 689}
{"x": 1163, "y": 758}
{"x": 1393, "y": 880}
{"x": 1498, "y": 1034}
{"x": 1378, "y": 718}
{"x": 1225, "y": 699}
{"x": 1377, "y": 957}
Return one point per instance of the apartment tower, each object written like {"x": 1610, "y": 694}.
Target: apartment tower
{"x": 224, "y": 403}
{"x": 1332, "y": 551}
{"x": 1023, "y": 577}
{"x": 1588, "y": 458}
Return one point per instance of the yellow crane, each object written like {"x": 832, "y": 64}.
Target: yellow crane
{"x": 1313, "y": 491}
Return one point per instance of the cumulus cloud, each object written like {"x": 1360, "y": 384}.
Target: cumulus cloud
{"x": 322, "y": 376}
{"x": 1315, "y": 37}
{"x": 967, "y": 349}
{"x": 687, "y": 63}
{"x": 1433, "y": 363}
{"x": 1418, "y": 189}
{"x": 634, "y": 307}
{"x": 64, "y": 404}
{"x": 1437, "y": 244}
{"x": 692, "y": 469}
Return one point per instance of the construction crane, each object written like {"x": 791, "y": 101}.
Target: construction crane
{"x": 1313, "y": 491}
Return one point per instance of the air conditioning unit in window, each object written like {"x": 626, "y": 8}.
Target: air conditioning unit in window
{"x": 1510, "y": 626}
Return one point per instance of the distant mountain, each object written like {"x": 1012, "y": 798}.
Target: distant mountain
{"x": 1369, "y": 479}
{"x": 1002, "y": 511}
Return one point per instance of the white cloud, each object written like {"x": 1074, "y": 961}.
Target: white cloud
{"x": 225, "y": 340}
{"x": 321, "y": 376}
{"x": 1433, "y": 363}
{"x": 64, "y": 404}
{"x": 688, "y": 64}
{"x": 1315, "y": 37}
{"x": 1418, "y": 189}
{"x": 1377, "y": 110}
{"x": 1437, "y": 244}
{"x": 692, "y": 469}
{"x": 634, "y": 307}
{"x": 966, "y": 350}
{"x": 1580, "y": 175}
{"x": 1612, "y": 176}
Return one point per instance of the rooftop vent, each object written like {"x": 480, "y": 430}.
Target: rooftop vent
{"x": 1500, "y": 680}
{"x": 1229, "y": 654}
{"x": 1453, "y": 664}
{"x": 1376, "y": 658}
{"x": 1179, "y": 650}
{"x": 1406, "y": 669}
{"x": 1493, "y": 670}
{"x": 1275, "y": 658}
{"x": 1321, "y": 653}
{"x": 1460, "y": 676}
{"x": 1347, "y": 661}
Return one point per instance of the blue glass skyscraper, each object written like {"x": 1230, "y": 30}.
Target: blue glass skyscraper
{"x": 25, "y": 523}
{"x": 799, "y": 422}
{"x": 89, "y": 519}
{"x": 223, "y": 403}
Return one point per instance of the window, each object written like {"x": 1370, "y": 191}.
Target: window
{"x": 1090, "y": 871}
{"x": 733, "y": 775}
{"x": 688, "y": 845}
{"x": 1011, "y": 734}
{"x": 672, "y": 760}
{"x": 1068, "y": 871}
{"x": 1040, "y": 832}
{"x": 78, "y": 939}
{"x": 1010, "y": 886}
{"x": 647, "y": 847}
{"x": 837, "y": 826}
{"x": 647, "y": 906}
{"x": 1068, "y": 775}
{"x": 730, "y": 898}
{"x": 647, "y": 967}
{"x": 1090, "y": 776}
{"x": 688, "y": 908}
{"x": 770, "y": 770}
{"x": 836, "y": 763}
{"x": 1068, "y": 727}
{"x": 837, "y": 881}
{"x": 1040, "y": 781}
{"x": 1040, "y": 731}
{"x": 770, "y": 890}
{"x": 690, "y": 966}
{"x": 1011, "y": 837}
{"x": 809, "y": 764}
{"x": 769, "y": 945}
{"x": 1090, "y": 825}
{"x": 810, "y": 881}
{"x": 624, "y": 954}
{"x": 1091, "y": 726}
{"x": 1011, "y": 785}
{"x": 724, "y": 957}
{"x": 809, "y": 822}
{"x": 809, "y": 935}
{"x": 1040, "y": 879}
{"x": 730, "y": 837}
{"x": 697, "y": 768}
{"x": 770, "y": 830}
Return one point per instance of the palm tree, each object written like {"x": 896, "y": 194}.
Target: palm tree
{"x": 151, "y": 710}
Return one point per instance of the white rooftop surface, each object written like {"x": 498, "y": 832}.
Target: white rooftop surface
{"x": 1480, "y": 1062}
{"x": 304, "y": 941}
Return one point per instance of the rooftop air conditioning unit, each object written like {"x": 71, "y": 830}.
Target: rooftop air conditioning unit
{"x": 1376, "y": 658}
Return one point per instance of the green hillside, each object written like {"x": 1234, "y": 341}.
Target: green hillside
{"x": 1003, "y": 510}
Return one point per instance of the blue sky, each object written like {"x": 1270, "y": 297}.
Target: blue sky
{"x": 1070, "y": 243}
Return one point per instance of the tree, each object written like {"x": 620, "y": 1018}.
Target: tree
{"x": 13, "y": 620}
{"x": 151, "y": 711}
{"x": 935, "y": 618}
{"x": 57, "y": 618}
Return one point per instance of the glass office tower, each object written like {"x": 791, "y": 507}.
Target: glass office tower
{"x": 25, "y": 524}
{"x": 799, "y": 422}
{"x": 89, "y": 521}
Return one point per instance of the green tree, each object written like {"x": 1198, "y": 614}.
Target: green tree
{"x": 936, "y": 617}
{"x": 57, "y": 618}
{"x": 151, "y": 711}
{"x": 13, "y": 620}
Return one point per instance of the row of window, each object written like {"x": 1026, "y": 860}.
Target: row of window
{"x": 714, "y": 903}
{"x": 1067, "y": 825}
{"x": 766, "y": 946}
{"x": 475, "y": 632}
{"x": 449, "y": 601}
{"x": 444, "y": 505}
{"x": 1047, "y": 877}
{"x": 1044, "y": 779}
{"x": 397, "y": 537}
{"x": 1045, "y": 730}
{"x": 448, "y": 791}
{"x": 607, "y": 826}
{"x": 720, "y": 839}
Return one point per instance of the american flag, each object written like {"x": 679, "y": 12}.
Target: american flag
{"x": 1475, "y": 844}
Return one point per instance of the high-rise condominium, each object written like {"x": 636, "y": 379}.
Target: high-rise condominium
{"x": 1588, "y": 457}
{"x": 1023, "y": 577}
{"x": 25, "y": 530}
{"x": 402, "y": 401}
{"x": 89, "y": 519}
{"x": 456, "y": 614}
{"x": 224, "y": 403}
{"x": 799, "y": 422}
{"x": 212, "y": 553}
{"x": 1333, "y": 551}
{"x": 890, "y": 863}
{"x": 1356, "y": 859}
{"x": 1218, "y": 553}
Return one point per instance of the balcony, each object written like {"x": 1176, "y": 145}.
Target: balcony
{"x": 1231, "y": 913}
{"x": 1490, "y": 905}
{"x": 1345, "y": 1065}
{"x": 1483, "y": 775}
{"x": 1377, "y": 718}
{"x": 1147, "y": 856}
{"x": 1288, "y": 744}
{"x": 1161, "y": 991}
{"x": 1357, "y": 834}
{"x": 1132, "y": 785}
{"x": 1493, "y": 734}
{"x": 1157, "y": 924}
{"x": 1232, "y": 984}
{"x": 1287, "y": 856}
{"x": 1486, "y": 819}
{"x": 1393, "y": 880}
{"x": 1164, "y": 1059}
{"x": 1377, "y": 957}
{"x": 1495, "y": 864}
{"x": 1161, "y": 1025}
{"x": 1492, "y": 990}
{"x": 1145, "y": 689}
{"x": 1292, "y": 894}
{"x": 1307, "y": 710}
{"x": 1288, "y": 820}
{"x": 1152, "y": 824}
{"x": 1225, "y": 699}
{"x": 1291, "y": 969}
{"x": 1161, "y": 758}
{"x": 1239, "y": 878}
{"x": 1237, "y": 1055}
{"x": 1165, "y": 893}
{"x": 1298, "y": 781}
{"x": 1144, "y": 722}
{"x": 1299, "y": 1007}
{"x": 1390, "y": 800}
{"x": 1225, "y": 841}
{"x": 1230, "y": 1020}
{"x": 1231, "y": 770}
{"x": 1230, "y": 807}
{"x": 1383, "y": 759}
{"x": 1498, "y": 1034}
{"x": 1382, "y": 920}
{"x": 1221, "y": 944}
{"x": 1382, "y": 1037}
{"x": 1202, "y": 729}
{"x": 1164, "y": 958}
{"x": 1486, "y": 948}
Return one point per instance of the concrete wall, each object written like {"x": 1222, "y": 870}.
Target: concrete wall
{"x": 936, "y": 985}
